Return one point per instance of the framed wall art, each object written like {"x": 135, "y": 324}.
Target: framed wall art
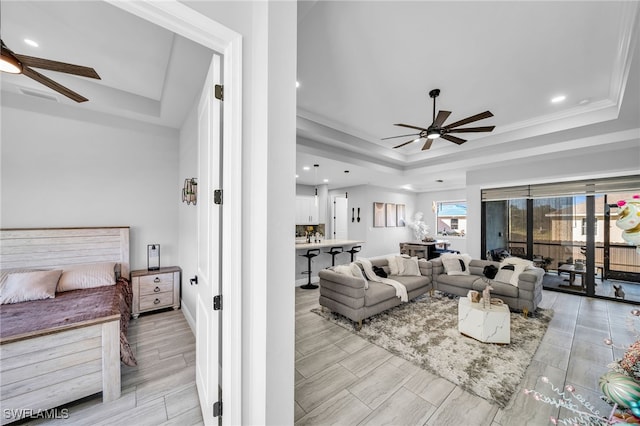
{"x": 400, "y": 215}
{"x": 391, "y": 215}
{"x": 378, "y": 215}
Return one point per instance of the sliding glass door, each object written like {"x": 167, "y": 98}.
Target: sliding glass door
{"x": 569, "y": 230}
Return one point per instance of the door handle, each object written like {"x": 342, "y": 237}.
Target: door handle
{"x": 194, "y": 280}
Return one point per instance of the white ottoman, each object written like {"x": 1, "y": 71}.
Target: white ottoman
{"x": 492, "y": 325}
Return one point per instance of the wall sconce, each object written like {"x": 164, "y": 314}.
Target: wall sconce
{"x": 153, "y": 257}
{"x": 190, "y": 191}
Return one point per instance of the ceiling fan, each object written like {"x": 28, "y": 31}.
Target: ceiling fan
{"x": 437, "y": 130}
{"x": 21, "y": 64}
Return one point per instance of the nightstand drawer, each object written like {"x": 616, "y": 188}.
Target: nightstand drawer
{"x": 150, "y": 281}
{"x": 153, "y": 288}
{"x": 153, "y": 301}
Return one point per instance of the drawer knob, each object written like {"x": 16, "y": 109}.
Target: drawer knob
{"x": 155, "y": 302}
{"x": 156, "y": 290}
{"x": 156, "y": 280}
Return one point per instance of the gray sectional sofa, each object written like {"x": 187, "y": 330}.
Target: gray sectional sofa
{"x": 524, "y": 297}
{"x": 346, "y": 295}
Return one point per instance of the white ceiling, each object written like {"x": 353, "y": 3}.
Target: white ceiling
{"x": 147, "y": 73}
{"x": 364, "y": 65}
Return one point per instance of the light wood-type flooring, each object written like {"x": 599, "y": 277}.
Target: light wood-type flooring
{"x": 161, "y": 390}
{"x": 343, "y": 379}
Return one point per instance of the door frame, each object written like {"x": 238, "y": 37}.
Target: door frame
{"x": 182, "y": 20}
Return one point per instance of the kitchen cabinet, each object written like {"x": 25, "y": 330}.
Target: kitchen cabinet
{"x": 307, "y": 212}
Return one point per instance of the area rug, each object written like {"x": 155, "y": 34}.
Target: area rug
{"x": 424, "y": 331}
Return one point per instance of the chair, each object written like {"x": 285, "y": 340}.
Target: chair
{"x": 353, "y": 250}
{"x": 333, "y": 251}
{"x": 310, "y": 254}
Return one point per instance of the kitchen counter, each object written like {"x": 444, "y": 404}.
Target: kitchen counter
{"x": 323, "y": 260}
{"x": 327, "y": 243}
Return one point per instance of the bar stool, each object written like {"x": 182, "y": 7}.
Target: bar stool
{"x": 333, "y": 251}
{"x": 311, "y": 253}
{"x": 354, "y": 250}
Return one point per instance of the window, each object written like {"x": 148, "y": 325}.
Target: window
{"x": 451, "y": 218}
{"x": 584, "y": 227}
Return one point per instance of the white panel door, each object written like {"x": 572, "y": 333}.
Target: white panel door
{"x": 209, "y": 216}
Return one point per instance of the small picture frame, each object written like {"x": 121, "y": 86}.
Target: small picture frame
{"x": 153, "y": 257}
{"x": 378, "y": 215}
{"x": 400, "y": 215}
{"x": 391, "y": 215}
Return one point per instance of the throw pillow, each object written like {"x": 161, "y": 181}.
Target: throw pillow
{"x": 456, "y": 264}
{"x": 87, "y": 276}
{"x": 513, "y": 267}
{"x": 393, "y": 265}
{"x": 380, "y": 272}
{"x": 26, "y": 286}
{"x": 343, "y": 269}
{"x": 408, "y": 266}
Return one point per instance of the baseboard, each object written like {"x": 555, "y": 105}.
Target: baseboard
{"x": 187, "y": 315}
{"x": 303, "y": 281}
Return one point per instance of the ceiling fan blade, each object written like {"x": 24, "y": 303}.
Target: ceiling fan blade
{"x": 471, "y": 119}
{"x": 401, "y": 136}
{"x": 411, "y": 127}
{"x": 53, "y": 85}
{"x": 453, "y": 139}
{"x": 47, "y": 64}
{"x": 472, "y": 129}
{"x": 427, "y": 144}
{"x": 442, "y": 116}
{"x": 406, "y": 143}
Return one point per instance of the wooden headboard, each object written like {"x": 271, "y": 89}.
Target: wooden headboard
{"x": 60, "y": 247}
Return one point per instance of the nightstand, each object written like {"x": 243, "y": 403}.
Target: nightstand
{"x": 153, "y": 290}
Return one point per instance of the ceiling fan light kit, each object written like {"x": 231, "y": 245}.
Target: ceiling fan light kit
{"x": 21, "y": 64}
{"x": 438, "y": 130}
{"x": 9, "y": 63}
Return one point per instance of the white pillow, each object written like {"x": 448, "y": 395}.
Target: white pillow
{"x": 393, "y": 265}
{"x": 509, "y": 270}
{"x": 528, "y": 264}
{"x": 26, "y": 286}
{"x": 87, "y": 276}
{"x": 408, "y": 266}
{"x": 343, "y": 269}
{"x": 456, "y": 264}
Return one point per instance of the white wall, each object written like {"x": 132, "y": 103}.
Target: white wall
{"x": 424, "y": 204}
{"x": 378, "y": 241}
{"x": 187, "y": 215}
{"x": 62, "y": 172}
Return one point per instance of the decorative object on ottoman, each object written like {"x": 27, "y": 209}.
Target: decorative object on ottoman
{"x": 486, "y": 296}
{"x": 474, "y": 296}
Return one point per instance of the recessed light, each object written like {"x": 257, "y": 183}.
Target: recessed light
{"x": 325, "y": 180}
{"x": 31, "y": 42}
{"x": 558, "y": 98}
{"x": 297, "y": 84}
{"x": 305, "y": 168}
{"x": 297, "y": 176}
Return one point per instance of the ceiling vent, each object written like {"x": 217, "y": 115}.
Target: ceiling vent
{"x": 38, "y": 94}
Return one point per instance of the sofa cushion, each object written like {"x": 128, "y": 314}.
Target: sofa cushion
{"x": 378, "y": 292}
{"x": 499, "y": 288}
{"x": 408, "y": 266}
{"x": 464, "y": 281}
{"x": 411, "y": 282}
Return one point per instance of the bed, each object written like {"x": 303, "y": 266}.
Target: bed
{"x": 55, "y": 351}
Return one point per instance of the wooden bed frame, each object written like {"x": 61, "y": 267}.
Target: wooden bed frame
{"x": 46, "y": 369}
